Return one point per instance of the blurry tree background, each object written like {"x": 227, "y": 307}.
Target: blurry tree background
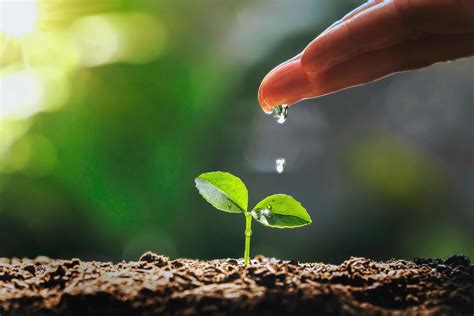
{"x": 109, "y": 109}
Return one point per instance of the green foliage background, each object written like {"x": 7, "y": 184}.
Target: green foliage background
{"x": 109, "y": 174}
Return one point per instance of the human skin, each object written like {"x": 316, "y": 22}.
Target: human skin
{"x": 377, "y": 39}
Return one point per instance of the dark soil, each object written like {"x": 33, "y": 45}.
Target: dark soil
{"x": 157, "y": 285}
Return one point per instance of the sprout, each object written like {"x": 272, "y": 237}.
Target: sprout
{"x": 228, "y": 193}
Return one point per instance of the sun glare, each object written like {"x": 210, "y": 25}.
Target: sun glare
{"x": 18, "y": 17}
{"x": 21, "y": 95}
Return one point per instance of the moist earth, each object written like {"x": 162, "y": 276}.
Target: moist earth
{"x": 157, "y": 285}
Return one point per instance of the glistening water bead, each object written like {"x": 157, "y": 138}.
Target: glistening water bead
{"x": 280, "y": 113}
{"x": 280, "y": 164}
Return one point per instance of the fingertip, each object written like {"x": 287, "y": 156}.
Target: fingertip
{"x": 263, "y": 104}
{"x": 286, "y": 84}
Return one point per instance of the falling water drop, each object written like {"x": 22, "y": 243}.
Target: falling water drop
{"x": 280, "y": 113}
{"x": 280, "y": 164}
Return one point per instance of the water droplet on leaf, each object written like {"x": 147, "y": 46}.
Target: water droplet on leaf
{"x": 280, "y": 113}
{"x": 264, "y": 216}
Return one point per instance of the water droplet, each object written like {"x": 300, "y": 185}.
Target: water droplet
{"x": 280, "y": 113}
{"x": 280, "y": 164}
{"x": 229, "y": 205}
{"x": 269, "y": 207}
{"x": 264, "y": 215}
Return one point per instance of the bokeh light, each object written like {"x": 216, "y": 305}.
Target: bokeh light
{"x": 22, "y": 94}
{"x": 102, "y": 39}
{"x": 18, "y": 17}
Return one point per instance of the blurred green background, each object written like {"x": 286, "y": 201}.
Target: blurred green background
{"x": 109, "y": 109}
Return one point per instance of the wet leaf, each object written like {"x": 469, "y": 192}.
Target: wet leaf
{"x": 281, "y": 211}
{"x": 223, "y": 190}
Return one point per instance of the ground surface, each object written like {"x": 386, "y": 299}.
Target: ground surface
{"x": 157, "y": 285}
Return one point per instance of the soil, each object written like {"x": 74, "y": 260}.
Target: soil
{"x": 157, "y": 285}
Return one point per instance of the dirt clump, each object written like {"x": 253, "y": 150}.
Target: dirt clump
{"x": 157, "y": 285}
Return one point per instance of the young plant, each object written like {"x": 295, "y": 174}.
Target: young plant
{"x": 228, "y": 193}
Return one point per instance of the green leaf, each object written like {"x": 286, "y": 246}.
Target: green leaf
{"x": 281, "y": 211}
{"x": 224, "y": 191}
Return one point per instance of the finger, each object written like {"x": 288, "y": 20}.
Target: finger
{"x": 403, "y": 57}
{"x": 282, "y": 70}
{"x": 357, "y": 10}
{"x": 386, "y": 24}
{"x": 290, "y": 83}
{"x": 286, "y": 84}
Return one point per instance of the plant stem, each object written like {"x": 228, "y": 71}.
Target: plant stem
{"x": 248, "y": 233}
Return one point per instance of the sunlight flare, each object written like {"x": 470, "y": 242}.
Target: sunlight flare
{"x": 22, "y": 93}
{"x": 18, "y": 17}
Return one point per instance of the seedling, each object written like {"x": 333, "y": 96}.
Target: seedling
{"x": 228, "y": 193}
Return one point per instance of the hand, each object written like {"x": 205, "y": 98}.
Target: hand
{"x": 375, "y": 40}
